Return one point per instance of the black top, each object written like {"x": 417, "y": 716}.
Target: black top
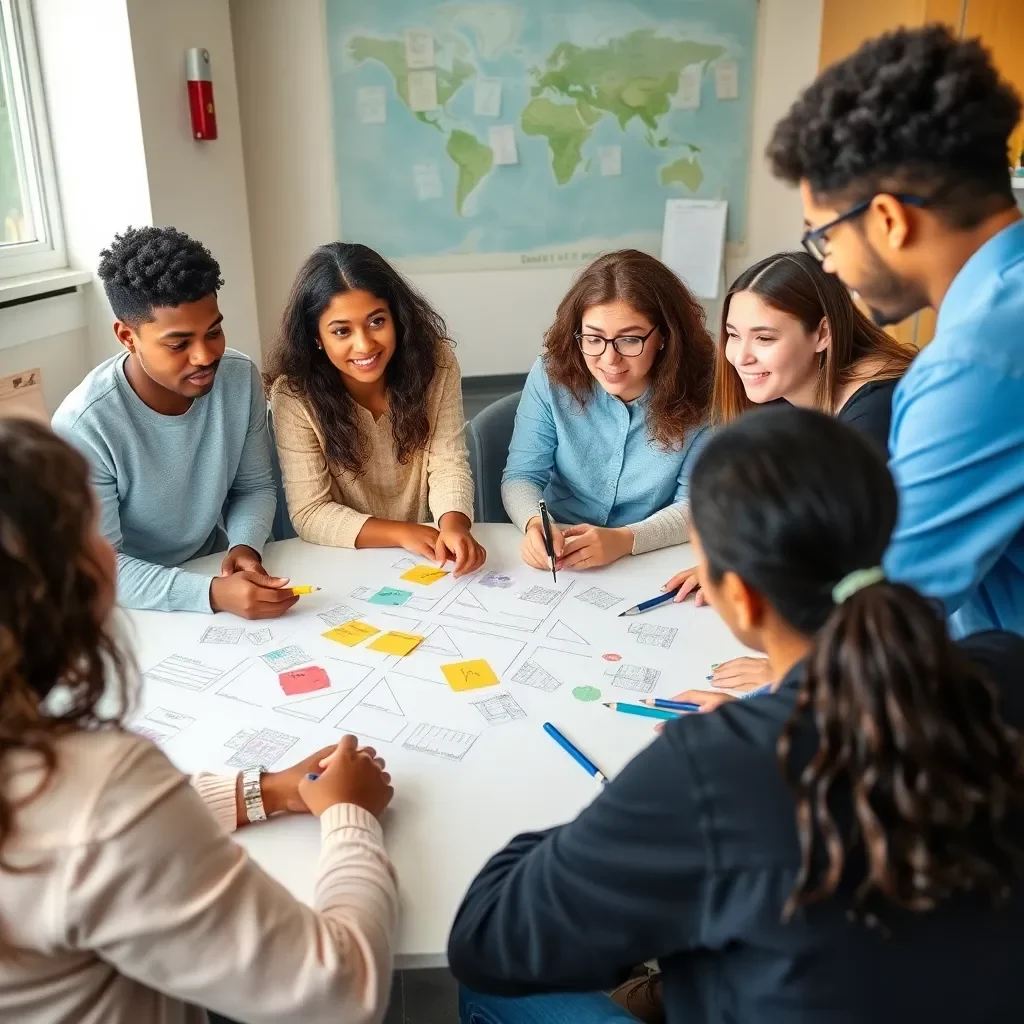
{"x": 869, "y": 409}
{"x": 689, "y": 856}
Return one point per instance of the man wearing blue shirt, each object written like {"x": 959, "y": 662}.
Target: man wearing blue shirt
{"x": 900, "y": 152}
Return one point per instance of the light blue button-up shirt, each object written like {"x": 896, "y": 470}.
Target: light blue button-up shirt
{"x": 956, "y": 448}
{"x": 596, "y": 464}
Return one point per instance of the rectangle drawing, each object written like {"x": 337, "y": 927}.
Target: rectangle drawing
{"x": 258, "y": 637}
{"x": 262, "y": 750}
{"x": 337, "y": 616}
{"x": 598, "y": 598}
{"x": 500, "y": 708}
{"x": 222, "y": 635}
{"x": 655, "y": 636}
{"x": 285, "y": 658}
{"x": 372, "y": 723}
{"x": 531, "y": 674}
{"x": 540, "y": 595}
{"x": 240, "y": 739}
{"x": 634, "y": 677}
{"x": 161, "y": 725}
{"x": 451, "y": 744}
{"x": 189, "y": 674}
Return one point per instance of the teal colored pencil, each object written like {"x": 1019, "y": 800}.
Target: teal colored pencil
{"x": 639, "y": 709}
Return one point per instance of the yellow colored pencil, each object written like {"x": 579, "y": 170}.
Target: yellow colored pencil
{"x": 298, "y": 591}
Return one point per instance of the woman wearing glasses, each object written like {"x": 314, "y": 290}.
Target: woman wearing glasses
{"x": 612, "y": 417}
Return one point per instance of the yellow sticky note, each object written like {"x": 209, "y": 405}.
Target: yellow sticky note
{"x": 351, "y": 633}
{"x": 425, "y": 574}
{"x": 469, "y": 675}
{"x": 396, "y": 643}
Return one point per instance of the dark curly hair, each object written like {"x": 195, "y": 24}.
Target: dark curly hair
{"x": 146, "y": 268}
{"x": 683, "y": 371}
{"x": 50, "y": 635}
{"x": 916, "y": 111}
{"x": 309, "y": 374}
{"x": 914, "y": 784}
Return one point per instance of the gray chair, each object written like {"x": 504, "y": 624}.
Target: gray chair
{"x": 283, "y": 529}
{"x": 488, "y": 436}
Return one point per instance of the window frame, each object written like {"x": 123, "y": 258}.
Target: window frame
{"x": 28, "y": 119}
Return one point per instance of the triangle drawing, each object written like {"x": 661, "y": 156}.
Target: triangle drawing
{"x": 560, "y": 631}
{"x": 315, "y": 709}
{"x": 470, "y": 600}
{"x": 439, "y": 642}
{"x": 382, "y": 698}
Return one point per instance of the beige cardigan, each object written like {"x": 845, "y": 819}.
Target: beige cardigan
{"x": 142, "y": 908}
{"x": 328, "y": 505}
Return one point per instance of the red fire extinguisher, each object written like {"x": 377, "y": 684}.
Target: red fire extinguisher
{"x": 200, "y": 93}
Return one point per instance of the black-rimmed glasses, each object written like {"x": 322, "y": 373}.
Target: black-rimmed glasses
{"x": 595, "y": 344}
{"x": 816, "y": 243}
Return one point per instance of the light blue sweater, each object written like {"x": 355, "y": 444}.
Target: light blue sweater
{"x": 171, "y": 488}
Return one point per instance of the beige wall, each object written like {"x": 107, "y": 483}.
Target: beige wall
{"x": 497, "y": 316}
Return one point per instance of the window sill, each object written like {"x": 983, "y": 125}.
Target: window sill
{"x": 13, "y": 289}
{"x": 42, "y": 305}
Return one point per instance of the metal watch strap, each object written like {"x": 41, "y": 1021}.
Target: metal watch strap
{"x": 252, "y": 794}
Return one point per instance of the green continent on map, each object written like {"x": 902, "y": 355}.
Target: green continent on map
{"x": 684, "y": 171}
{"x": 474, "y": 161}
{"x": 566, "y": 126}
{"x": 633, "y": 76}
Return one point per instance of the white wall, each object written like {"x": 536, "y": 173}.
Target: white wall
{"x": 498, "y": 317}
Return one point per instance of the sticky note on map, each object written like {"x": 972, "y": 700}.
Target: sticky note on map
{"x": 469, "y": 675}
{"x": 687, "y": 96}
{"x": 303, "y": 680}
{"x": 391, "y": 596}
{"x": 727, "y": 80}
{"x": 395, "y": 642}
{"x": 351, "y": 633}
{"x": 426, "y": 179}
{"x": 371, "y": 104}
{"x": 502, "y": 138}
{"x": 421, "y": 88}
{"x": 487, "y": 98}
{"x": 425, "y": 574}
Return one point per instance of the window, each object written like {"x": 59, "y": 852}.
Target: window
{"x": 30, "y": 233}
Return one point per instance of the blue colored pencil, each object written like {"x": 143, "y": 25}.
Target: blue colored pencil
{"x": 640, "y": 709}
{"x": 670, "y": 705}
{"x": 575, "y": 753}
{"x": 654, "y": 602}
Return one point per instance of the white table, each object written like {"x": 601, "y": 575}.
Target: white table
{"x": 448, "y": 817}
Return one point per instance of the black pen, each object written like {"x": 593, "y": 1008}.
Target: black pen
{"x": 549, "y": 544}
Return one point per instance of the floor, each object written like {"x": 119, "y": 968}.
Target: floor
{"x": 423, "y": 997}
{"x": 479, "y": 392}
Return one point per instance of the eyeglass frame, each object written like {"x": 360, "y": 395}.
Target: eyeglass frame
{"x": 810, "y": 239}
{"x": 580, "y": 335}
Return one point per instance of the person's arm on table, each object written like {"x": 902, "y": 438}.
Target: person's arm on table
{"x": 956, "y": 455}
{"x": 169, "y": 899}
{"x": 576, "y": 908}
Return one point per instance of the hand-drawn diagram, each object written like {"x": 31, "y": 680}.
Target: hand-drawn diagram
{"x": 438, "y": 641}
{"x": 451, "y": 744}
{"x": 487, "y": 604}
{"x": 497, "y": 581}
{"x": 259, "y": 637}
{"x": 240, "y": 739}
{"x": 446, "y": 644}
{"x": 547, "y": 668}
{"x": 161, "y": 725}
{"x": 315, "y": 709}
{"x": 337, "y": 616}
{"x": 532, "y": 674}
{"x": 285, "y": 658}
{"x": 189, "y": 674}
{"x": 500, "y": 708}
{"x": 633, "y": 677}
{"x": 540, "y": 595}
{"x": 560, "y": 631}
{"x": 362, "y": 593}
{"x": 656, "y": 636}
{"x": 221, "y": 635}
{"x": 261, "y": 750}
{"x": 599, "y": 598}
{"x": 377, "y": 716}
{"x": 263, "y": 689}
{"x": 405, "y": 564}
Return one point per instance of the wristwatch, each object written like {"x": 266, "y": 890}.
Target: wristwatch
{"x": 252, "y": 794}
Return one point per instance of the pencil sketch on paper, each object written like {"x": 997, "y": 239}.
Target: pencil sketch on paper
{"x": 446, "y": 644}
{"x": 161, "y": 725}
{"x": 259, "y": 637}
{"x": 189, "y": 674}
{"x": 261, "y": 749}
{"x": 405, "y": 564}
{"x": 540, "y": 595}
{"x": 377, "y": 716}
{"x": 337, "y": 616}
{"x": 362, "y": 593}
{"x": 240, "y": 739}
{"x": 634, "y": 677}
{"x": 451, "y": 744}
{"x": 500, "y": 708}
{"x": 222, "y": 635}
{"x": 656, "y": 636}
{"x": 532, "y": 674}
{"x": 317, "y": 708}
{"x": 285, "y": 658}
{"x": 598, "y": 598}
{"x": 560, "y": 631}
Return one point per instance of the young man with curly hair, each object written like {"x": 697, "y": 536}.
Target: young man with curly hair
{"x": 900, "y": 153}
{"x": 175, "y": 431}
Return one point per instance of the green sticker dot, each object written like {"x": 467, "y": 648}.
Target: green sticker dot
{"x": 587, "y": 693}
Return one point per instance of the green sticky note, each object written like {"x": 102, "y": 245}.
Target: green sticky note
{"x": 391, "y": 596}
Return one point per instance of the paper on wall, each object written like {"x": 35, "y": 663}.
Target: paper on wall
{"x": 693, "y": 242}
{"x": 727, "y": 80}
{"x": 419, "y": 48}
{"x": 487, "y": 98}
{"x": 611, "y": 161}
{"x": 422, "y": 91}
{"x": 371, "y": 104}
{"x": 687, "y": 96}
{"x": 503, "y": 144}
{"x": 426, "y": 178}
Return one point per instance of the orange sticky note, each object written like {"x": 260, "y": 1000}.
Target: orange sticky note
{"x": 351, "y": 633}
{"x": 396, "y": 643}
{"x": 425, "y": 574}
{"x": 469, "y": 675}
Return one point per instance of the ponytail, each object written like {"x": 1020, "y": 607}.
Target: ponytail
{"x": 913, "y": 727}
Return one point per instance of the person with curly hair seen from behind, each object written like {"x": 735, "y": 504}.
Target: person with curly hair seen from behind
{"x": 367, "y": 403}
{"x": 175, "y": 430}
{"x": 900, "y": 153}
{"x": 849, "y": 848}
{"x": 123, "y": 898}
{"x": 612, "y": 417}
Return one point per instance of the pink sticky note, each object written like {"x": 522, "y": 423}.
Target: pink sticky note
{"x": 303, "y": 680}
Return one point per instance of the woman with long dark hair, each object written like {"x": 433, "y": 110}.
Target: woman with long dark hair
{"x": 849, "y": 848}
{"x": 612, "y": 417}
{"x": 367, "y": 403}
{"x": 123, "y": 898}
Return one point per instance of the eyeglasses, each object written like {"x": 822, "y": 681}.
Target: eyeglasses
{"x": 815, "y": 241}
{"x": 595, "y": 345}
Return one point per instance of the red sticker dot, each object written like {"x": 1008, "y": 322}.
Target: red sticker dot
{"x": 612, "y": 657}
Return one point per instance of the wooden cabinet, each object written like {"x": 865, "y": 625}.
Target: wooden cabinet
{"x": 845, "y": 24}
